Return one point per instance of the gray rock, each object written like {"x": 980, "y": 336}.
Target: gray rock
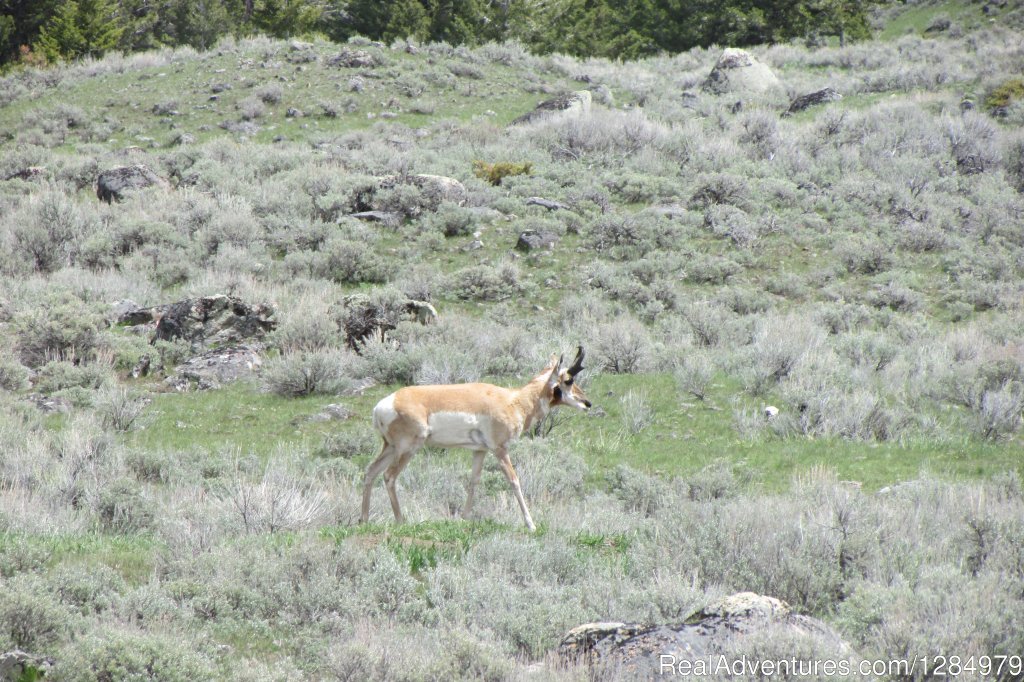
{"x": 546, "y": 203}
{"x": 573, "y": 103}
{"x": 116, "y": 183}
{"x": 332, "y": 412}
{"x": 122, "y": 311}
{"x": 438, "y": 188}
{"x": 811, "y": 99}
{"x": 532, "y": 240}
{"x": 217, "y": 367}
{"x": 738, "y": 71}
{"x": 723, "y": 628}
{"x": 386, "y": 217}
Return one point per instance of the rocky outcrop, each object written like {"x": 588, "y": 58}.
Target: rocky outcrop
{"x": 812, "y": 99}
{"x": 353, "y": 59}
{"x": 116, "y": 183}
{"x": 216, "y": 367}
{"x": 739, "y": 72}
{"x": 18, "y": 665}
{"x": 723, "y": 630}
{"x": 573, "y": 102}
{"x": 364, "y": 317}
{"x": 216, "y": 319}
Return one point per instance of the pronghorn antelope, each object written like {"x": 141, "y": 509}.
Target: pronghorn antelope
{"x": 479, "y": 417}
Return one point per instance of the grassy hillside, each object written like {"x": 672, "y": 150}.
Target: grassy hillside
{"x": 859, "y": 265}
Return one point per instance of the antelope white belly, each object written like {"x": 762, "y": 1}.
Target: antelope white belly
{"x": 459, "y": 430}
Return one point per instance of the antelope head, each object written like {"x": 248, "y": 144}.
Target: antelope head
{"x": 563, "y": 385}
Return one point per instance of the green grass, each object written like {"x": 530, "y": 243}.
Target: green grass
{"x": 420, "y": 545}
{"x": 684, "y": 437}
{"x": 396, "y": 88}
{"x": 917, "y": 18}
{"x": 133, "y": 556}
{"x": 237, "y": 417}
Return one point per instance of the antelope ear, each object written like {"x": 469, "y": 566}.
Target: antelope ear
{"x": 556, "y": 370}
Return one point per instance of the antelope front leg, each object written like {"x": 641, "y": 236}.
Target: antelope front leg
{"x": 474, "y": 478}
{"x": 510, "y": 474}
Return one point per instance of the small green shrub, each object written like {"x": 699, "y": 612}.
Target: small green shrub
{"x": 60, "y": 375}
{"x": 321, "y": 372}
{"x": 60, "y": 328}
{"x": 451, "y": 220}
{"x": 31, "y": 616}
{"x": 119, "y": 407}
{"x": 90, "y": 589}
{"x": 352, "y": 262}
{"x": 1004, "y": 94}
{"x": 350, "y": 443}
{"x": 122, "y": 508}
{"x": 125, "y": 654}
{"x": 639, "y": 492}
{"x": 13, "y": 375}
{"x": 486, "y": 283}
{"x": 494, "y": 173}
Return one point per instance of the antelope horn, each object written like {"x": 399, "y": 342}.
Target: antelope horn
{"x": 577, "y": 364}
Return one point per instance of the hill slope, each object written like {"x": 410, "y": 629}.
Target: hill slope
{"x": 858, "y": 264}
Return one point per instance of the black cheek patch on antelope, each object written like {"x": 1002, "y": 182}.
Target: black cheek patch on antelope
{"x": 558, "y": 395}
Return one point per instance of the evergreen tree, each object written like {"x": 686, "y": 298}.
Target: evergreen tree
{"x": 285, "y": 18}
{"x": 20, "y": 21}
{"x": 384, "y": 20}
{"x": 80, "y": 28}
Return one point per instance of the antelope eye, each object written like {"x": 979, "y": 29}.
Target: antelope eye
{"x": 568, "y": 382}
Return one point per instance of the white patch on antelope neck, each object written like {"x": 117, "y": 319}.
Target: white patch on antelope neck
{"x": 384, "y": 413}
{"x": 459, "y": 430}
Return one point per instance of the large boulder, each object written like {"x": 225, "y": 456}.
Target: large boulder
{"x": 216, "y": 319}
{"x": 116, "y": 183}
{"x": 433, "y": 188}
{"x": 573, "y": 103}
{"x": 739, "y": 72}
{"x": 721, "y": 632}
{"x": 215, "y": 367}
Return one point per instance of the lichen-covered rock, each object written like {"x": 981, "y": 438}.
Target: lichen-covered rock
{"x": 573, "y": 103}
{"x": 726, "y": 628}
{"x": 738, "y": 71}
{"x": 214, "y": 368}
{"x": 116, "y": 183}
{"x": 214, "y": 319}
